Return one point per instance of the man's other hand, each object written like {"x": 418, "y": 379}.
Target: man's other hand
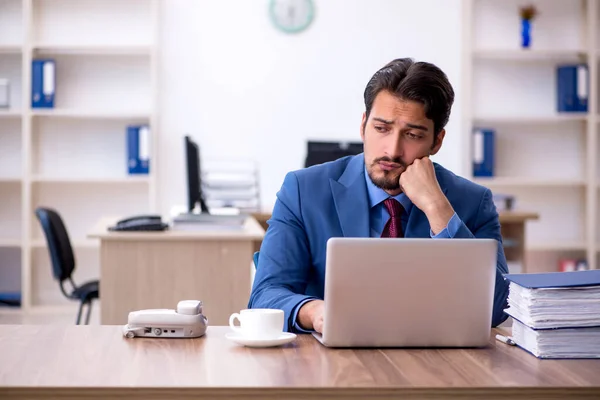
{"x": 310, "y": 316}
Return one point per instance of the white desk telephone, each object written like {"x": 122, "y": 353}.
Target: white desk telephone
{"x": 187, "y": 321}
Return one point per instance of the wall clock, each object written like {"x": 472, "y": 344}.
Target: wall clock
{"x": 291, "y": 16}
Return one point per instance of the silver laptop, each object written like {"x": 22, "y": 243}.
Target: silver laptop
{"x": 408, "y": 292}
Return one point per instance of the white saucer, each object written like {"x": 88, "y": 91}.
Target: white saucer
{"x": 284, "y": 338}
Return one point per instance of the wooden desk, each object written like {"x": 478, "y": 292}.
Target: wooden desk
{"x": 77, "y": 361}
{"x": 140, "y": 270}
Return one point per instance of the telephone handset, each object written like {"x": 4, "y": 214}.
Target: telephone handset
{"x": 140, "y": 223}
{"x": 186, "y": 321}
{"x": 150, "y": 217}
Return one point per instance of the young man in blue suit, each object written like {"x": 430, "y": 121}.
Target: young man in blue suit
{"x": 391, "y": 190}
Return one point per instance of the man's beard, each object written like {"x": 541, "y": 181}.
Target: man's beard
{"x": 390, "y": 179}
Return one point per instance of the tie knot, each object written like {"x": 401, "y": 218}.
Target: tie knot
{"x": 394, "y": 207}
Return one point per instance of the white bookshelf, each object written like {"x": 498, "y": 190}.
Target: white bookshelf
{"x": 546, "y": 159}
{"x": 532, "y": 182}
{"x": 9, "y": 113}
{"x": 558, "y": 246}
{"x": 8, "y": 49}
{"x": 530, "y": 120}
{"x": 105, "y": 114}
{"x": 91, "y": 180}
{"x": 522, "y": 55}
{"x": 115, "y": 50}
{"x": 7, "y": 242}
{"x": 72, "y": 157}
{"x": 11, "y": 26}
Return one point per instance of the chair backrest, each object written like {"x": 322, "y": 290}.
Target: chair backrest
{"x": 318, "y": 152}
{"x": 59, "y": 245}
{"x": 255, "y": 258}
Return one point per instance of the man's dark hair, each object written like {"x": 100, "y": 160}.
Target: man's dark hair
{"x": 416, "y": 81}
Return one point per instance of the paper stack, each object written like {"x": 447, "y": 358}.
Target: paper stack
{"x": 556, "y": 315}
{"x": 231, "y": 185}
{"x": 208, "y": 222}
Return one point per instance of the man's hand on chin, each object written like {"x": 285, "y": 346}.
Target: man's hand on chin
{"x": 310, "y": 315}
{"x": 420, "y": 184}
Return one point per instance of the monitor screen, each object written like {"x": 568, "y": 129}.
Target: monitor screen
{"x": 194, "y": 181}
{"x": 321, "y": 152}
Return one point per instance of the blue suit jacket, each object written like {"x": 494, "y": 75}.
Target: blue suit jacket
{"x": 331, "y": 200}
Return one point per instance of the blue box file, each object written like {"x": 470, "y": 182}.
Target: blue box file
{"x": 572, "y": 88}
{"x": 43, "y": 83}
{"x": 138, "y": 149}
{"x": 483, "y": 152}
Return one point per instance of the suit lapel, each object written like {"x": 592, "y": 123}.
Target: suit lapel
{"x": 351, "y": 199}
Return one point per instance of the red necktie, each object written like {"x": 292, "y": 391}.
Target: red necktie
{"x": 393, "y": 227}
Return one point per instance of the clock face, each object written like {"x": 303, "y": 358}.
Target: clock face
{"x": 291, "y": 16}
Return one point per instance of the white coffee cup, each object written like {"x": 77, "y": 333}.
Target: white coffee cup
{"x": 259, "y": 323}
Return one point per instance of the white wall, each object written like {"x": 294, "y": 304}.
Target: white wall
{"x": 244, "y": 90}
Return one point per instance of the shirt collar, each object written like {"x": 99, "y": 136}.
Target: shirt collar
{"x": 378, "y": 195}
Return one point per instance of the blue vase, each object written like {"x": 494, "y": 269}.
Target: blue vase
{"x": 525, "y": 33}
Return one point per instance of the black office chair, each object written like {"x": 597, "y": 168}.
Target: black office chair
{"x": 63, "y": 261}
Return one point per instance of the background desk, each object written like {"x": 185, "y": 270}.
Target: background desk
{"x": 512, "y": 227}
{"x": 77, "y": 361}
{"x": 140, "y": 270}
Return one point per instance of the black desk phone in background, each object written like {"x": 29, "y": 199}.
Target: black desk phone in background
{"x": 140, "y": 223}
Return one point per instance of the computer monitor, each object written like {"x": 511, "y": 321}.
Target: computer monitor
{"x": 194, "y": 177}
{"x": 320, "y": 152}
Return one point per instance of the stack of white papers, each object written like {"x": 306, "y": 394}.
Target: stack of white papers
{"x": 556, "y": 315}
{"x": 545, "y": 308}
{"x": 195, "y": 222}
{"x": 558, "y": 343}
{"x": 228, "y": 184}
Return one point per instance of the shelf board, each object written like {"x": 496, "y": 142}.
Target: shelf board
{"x": 531, "y": 120}
{"x": 10, "y": 113}
{"x": 68, "y": 49}
{"x": 77, "y": 244}
{"x": 97, "y": 180}
{"x": 528, "y": 54}
{"x": 6, "y": 310}
{"x": 90, "y": 114}
{"x": 10, "y": 49}
{"x": 557, "y": 246}
{"x": 10, "y": 179}
{"x": 8, "y": 242}
{"x": 525, "y": 182}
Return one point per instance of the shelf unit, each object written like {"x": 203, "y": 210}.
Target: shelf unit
{"x": 546, "y": 159}
{"x": 92, "y": 114}
{"x": 6, "y": 114}
{"x": 114, "y": 50}
{"x": 530, "y": 120}
{"x": 72, "y": 157}
{"x": 532, "y": 182}
{"x": 530, "y": 55}
{"x": 7, "y": 49}
{"x": 94, "y": 180}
